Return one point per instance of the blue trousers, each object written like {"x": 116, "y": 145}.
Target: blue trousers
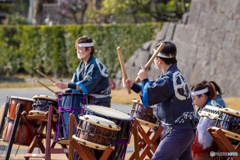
{"x": 176, "y": 144}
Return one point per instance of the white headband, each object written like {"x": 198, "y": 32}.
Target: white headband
{"x": 205, "y": 90}
{"x": 85, "y": 44}
{"x": 163, "y": 56}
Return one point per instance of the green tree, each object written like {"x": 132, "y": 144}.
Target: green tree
{"x": 122, "y": 9}
{"x": 52, "y": 42}
{"x": 29, "y": 47}
{"x": 9, "y": 56}
{"x": 138, "y": 11}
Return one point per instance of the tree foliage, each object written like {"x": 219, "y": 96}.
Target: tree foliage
{"x": 137, "y": 11}
{"x": 52, "y": 48}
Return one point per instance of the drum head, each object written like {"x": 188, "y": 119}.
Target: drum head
{"x": 91, "y": 144}
{"x": 140, "y": 102}
{"x": 101, "y": 122}
{"x": 37, "y": 112}
{"x": 45, "y": 97}
{"x": 108, "y": 112}
{"x": 21, "y": 98}
{"x": 230, "y": 111}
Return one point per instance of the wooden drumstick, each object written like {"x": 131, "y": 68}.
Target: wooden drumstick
{"x": 45, "y": 86}
{"x": 151, "y": 60}
{"x": 122, "y": 66}
{"x": 45, "y": 76}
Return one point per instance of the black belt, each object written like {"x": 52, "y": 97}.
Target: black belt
{"x": 192, "y": 124}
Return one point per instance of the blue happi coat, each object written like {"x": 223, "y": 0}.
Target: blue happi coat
{"x": 220, "y": 101}
{"x": 92, "y": 78}
{"x": 170, "y": 96}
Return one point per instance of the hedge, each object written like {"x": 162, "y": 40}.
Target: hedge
{"x": 51, "y": 49}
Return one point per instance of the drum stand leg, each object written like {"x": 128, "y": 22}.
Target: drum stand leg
{"x": 64, "y": 150}
{"x": 38, "y": 136}
{"x": 86, "y": 154}
{"x": 136, "y": 140}
{"x": 3, "y": 118}
{"x": 46, "y": 121}
{"x": 145, "y": 142}
{"x": 224, "y": 143}
{"x": 14, "y": 130}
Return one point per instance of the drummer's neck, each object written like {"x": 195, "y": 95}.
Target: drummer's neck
{"x": 86, "y": 59}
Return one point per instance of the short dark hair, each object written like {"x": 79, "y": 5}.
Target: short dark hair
{"x": 85, "y": 39}
{"x": 169, "y": 49}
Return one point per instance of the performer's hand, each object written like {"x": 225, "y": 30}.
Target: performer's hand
{"x": 142, "y": 74}
{"x": 57, "y": 92}
{"x": 127, "y": 83}
{"x": 61, "y": 85}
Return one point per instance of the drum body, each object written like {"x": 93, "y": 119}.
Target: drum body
{"x": 42, "y": 103}
{"x": 41, "y": 106}
{"x": 13, "y": 101}
{"x": 23, "y": 135}
{"x": 229, "y": 119}
{"x": 140, "y": 112}
{"x": 71, "y": 103}
{"x": 96, "y": 130}
{"x": 119, "y": 118}
{"x": 204, "y": 143}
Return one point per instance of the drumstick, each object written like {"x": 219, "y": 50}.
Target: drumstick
{"x": 151, "y": 60}
{"x": 45, "y": 86}
{"x": 122, "y": 66}
{"x": 45, "y": 76}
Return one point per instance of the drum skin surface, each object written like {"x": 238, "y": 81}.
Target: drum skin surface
{"x": 204, "y": 142}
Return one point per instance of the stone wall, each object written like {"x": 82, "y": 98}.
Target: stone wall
{"x": 208, "y": 43}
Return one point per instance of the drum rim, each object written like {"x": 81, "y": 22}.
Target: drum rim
{"x": 42, "y": 113}
{"x": 228, "y": 133}
{"x": 37, "y": 112}
{"x": 146, "y": 123}
{"x": 92, "y": 144}
{"x": 209, "y": 115}
{"x": 230, "y": 111}
{"x": 45, "y": 97}
{"x": 114, "y": 126}
{"x": 138, "y": 101}
{"x": 104, "y": 115}
{"x": 21, "y": 98}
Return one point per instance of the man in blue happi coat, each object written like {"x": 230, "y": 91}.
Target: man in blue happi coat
{"x": 172, "y": 104}
{"x": 91, "y": 76}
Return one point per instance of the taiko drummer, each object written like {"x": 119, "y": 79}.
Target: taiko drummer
{"x": 204, "y": 94}
{"x": 172, "y": 104}
{"x": 91, "y": 76}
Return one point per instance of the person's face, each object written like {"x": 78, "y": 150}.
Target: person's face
{"x": 200, "y": 101}
{"x": 156, "y": 62}
{"x": 81, "y": 51}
